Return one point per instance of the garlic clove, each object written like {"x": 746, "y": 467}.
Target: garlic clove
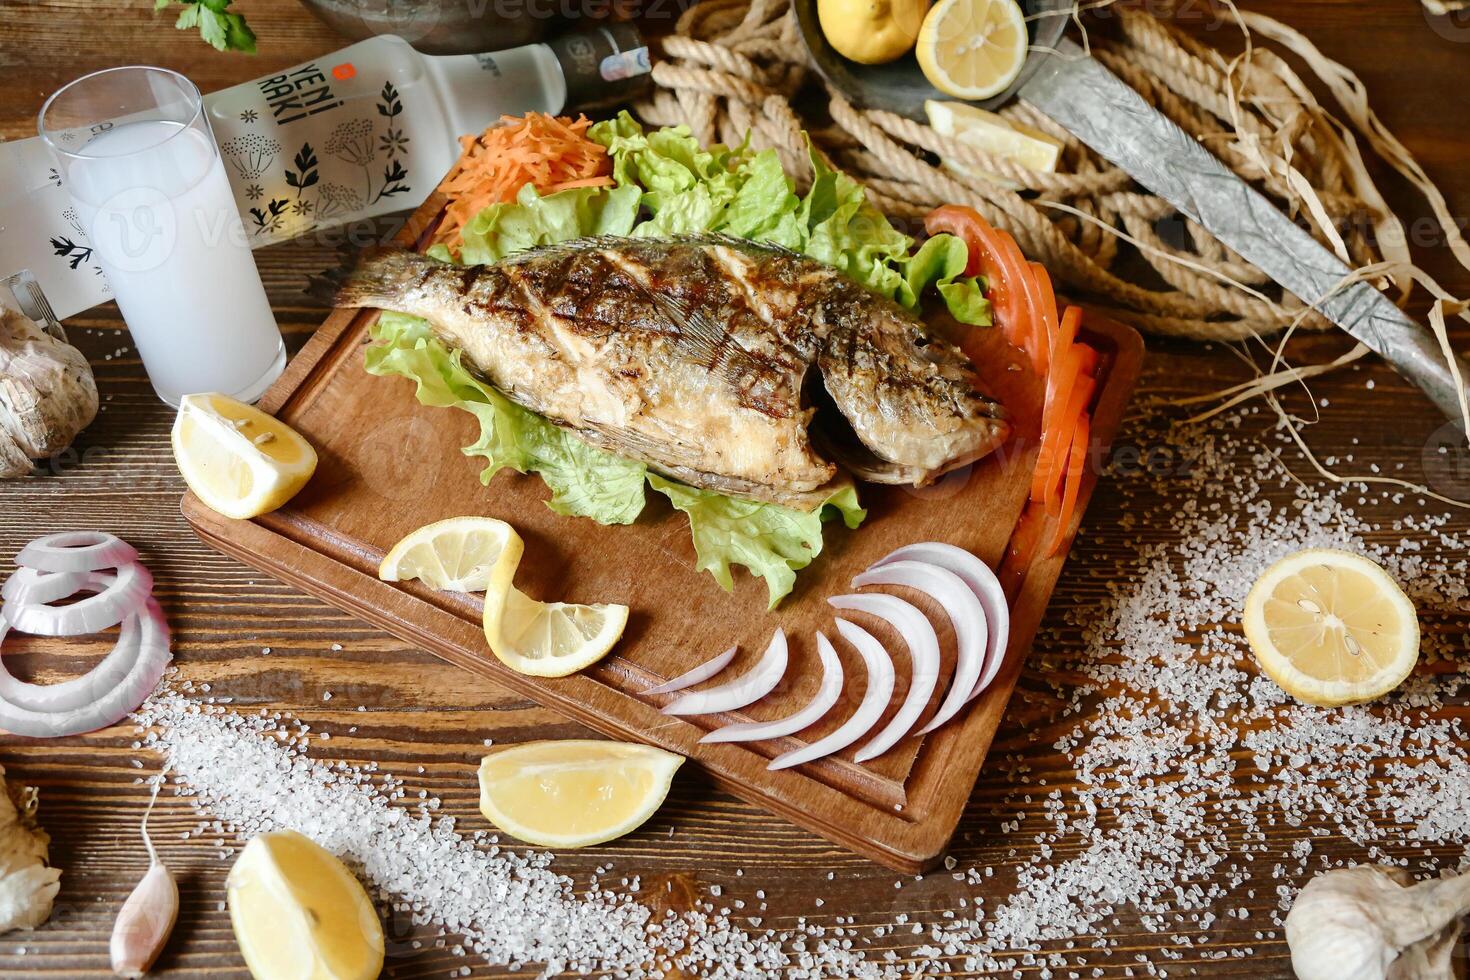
{"x": 144, "y": 924}
{"x": 148, "y": 916}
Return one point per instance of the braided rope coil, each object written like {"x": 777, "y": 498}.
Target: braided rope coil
{"x": 733, "y": 67}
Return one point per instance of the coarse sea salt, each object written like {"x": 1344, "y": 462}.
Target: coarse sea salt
{"x": 1181, "y": 756}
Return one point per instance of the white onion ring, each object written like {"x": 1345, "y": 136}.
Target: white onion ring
{"x": 748, "y": 688}
{"x": 111, "y": 706}
{"x": 965, "y": 613}
{"x": 76, "y": 551}
{"x": 987, "y": 589}
{"x": 703, "y": 672}
{"x": 119, "y": 595}
{"x": 875, "y": 700}
{"x": 50, "y": 585}
{"x": 827, "y": 694}
{"x": 923, "y": 644}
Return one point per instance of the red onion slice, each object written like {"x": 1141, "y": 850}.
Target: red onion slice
{"x": 748, "y": 688}
{"x": 965, "y": 613}
{"x": 923, "y": 646}
{"x": 987, "y": 589}
{"x": 875, "y": 700}
{"x": 110, "y": 705}
{"x": 120, "y": 595}
{"x": 76, "y": 551}
{"x": 703, "y": 672}
{"x": 821, "y": 702}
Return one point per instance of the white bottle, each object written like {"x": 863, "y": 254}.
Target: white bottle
{"x": 367, "y": 130}
{"x": 372, "y": 128}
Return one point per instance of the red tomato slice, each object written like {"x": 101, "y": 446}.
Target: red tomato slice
{"x": 1076, "y": 469}
{"x": 994, "y": 255}
{"x": 1046, "y": 325}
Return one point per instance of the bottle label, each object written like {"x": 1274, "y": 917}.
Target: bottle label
{"x": 296, "y": 165}
{"x": 625, "y": 64}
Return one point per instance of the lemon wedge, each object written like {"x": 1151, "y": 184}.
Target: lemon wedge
{"x": 298, "y": 913}
{"x": 462, "y": 554}
{"x": 996, "y": 135}
{"x": 574, "y": 792}
{"x": 972, "y": 49}
{"x": 550, "y": 639}
{"x": 238, "y": 460}
{"x": 1331, "y": 627}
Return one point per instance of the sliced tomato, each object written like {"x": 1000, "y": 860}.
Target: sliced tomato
{"x": 1076, "y": 468}
{"x": 1045, "y": 320}
{"x": 1068, "y": 420}
{"x": 996, "y": 256}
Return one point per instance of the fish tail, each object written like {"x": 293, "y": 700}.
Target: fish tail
{"x": 382, "y": 276}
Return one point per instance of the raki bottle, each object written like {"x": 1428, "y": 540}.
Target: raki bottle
{"x": 372, "y": 128}
{"x": 365, "y": 131}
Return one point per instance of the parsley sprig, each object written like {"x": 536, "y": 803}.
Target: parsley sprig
{"x": 217, "y": 25}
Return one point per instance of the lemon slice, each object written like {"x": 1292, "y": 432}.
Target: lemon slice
{"x": 996, "y": 135}
{"x": 298, "y": 913}
{"x": 1331, "y": 627}
{"x": 462, "y": 554}
{"x": 550, "y": 639}
{"x": 574, "y": 792}
{"x": 238, "y": 460}
{"x": 972, "y": 49}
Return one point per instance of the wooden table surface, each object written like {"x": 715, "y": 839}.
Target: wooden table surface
{"x": 420, "y": 711}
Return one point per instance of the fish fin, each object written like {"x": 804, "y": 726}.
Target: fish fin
{"x": 700, "y": 338}
{"x": 383, "y": 275}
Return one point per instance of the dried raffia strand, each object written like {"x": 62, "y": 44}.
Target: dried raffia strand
{"x": 733, "y": 65}
{"x": 148, "y": 916}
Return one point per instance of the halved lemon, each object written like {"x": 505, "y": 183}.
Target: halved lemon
{"x": 1331, "y": 627}
{"x": 574, "y": 792}
{"x": 298, "y": 913}
{"x": 239, "y": 461}
{"x": 550, "y": 639}
{"x": 461, "y": 554}
{"x": 972, "y": 49}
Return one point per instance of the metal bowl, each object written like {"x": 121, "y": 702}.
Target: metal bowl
{"x": 437, "y": 26}
{"x": 900, "y": 86}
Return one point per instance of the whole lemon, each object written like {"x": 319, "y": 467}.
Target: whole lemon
{"x": 871, "y": 31}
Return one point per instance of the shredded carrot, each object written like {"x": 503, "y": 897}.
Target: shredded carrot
{"x": 552, "y": 153}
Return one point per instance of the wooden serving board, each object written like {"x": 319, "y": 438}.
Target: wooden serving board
{"x": 389, "y": 465}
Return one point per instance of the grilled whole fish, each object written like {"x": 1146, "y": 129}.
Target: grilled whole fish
{"x": 693, "y": 355}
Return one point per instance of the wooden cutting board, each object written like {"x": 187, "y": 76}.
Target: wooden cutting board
{"x": 389, "y": 465}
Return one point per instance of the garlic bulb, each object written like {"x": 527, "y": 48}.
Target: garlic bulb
{"x": 47, "y": 394}
{"x": 1373, "y": 922}
{"x": 27, "y": 884}
{"x": 148, "y": 916}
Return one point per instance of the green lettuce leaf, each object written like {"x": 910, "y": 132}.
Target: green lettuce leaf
{"x": 584, "y": 481}
{"x": 504, "y": 229}
{"x": 772, "y": 541}
{"x": 687, "y": 188}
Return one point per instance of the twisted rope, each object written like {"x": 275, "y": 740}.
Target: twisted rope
{"x": 733, "y": 67}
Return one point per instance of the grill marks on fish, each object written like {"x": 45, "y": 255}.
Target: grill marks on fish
{"x": 692, "y": 354}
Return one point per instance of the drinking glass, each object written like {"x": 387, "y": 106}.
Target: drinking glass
{"x": 134, "y": 149}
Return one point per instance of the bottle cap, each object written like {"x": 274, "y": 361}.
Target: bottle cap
{"x": 604, "y": 66}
